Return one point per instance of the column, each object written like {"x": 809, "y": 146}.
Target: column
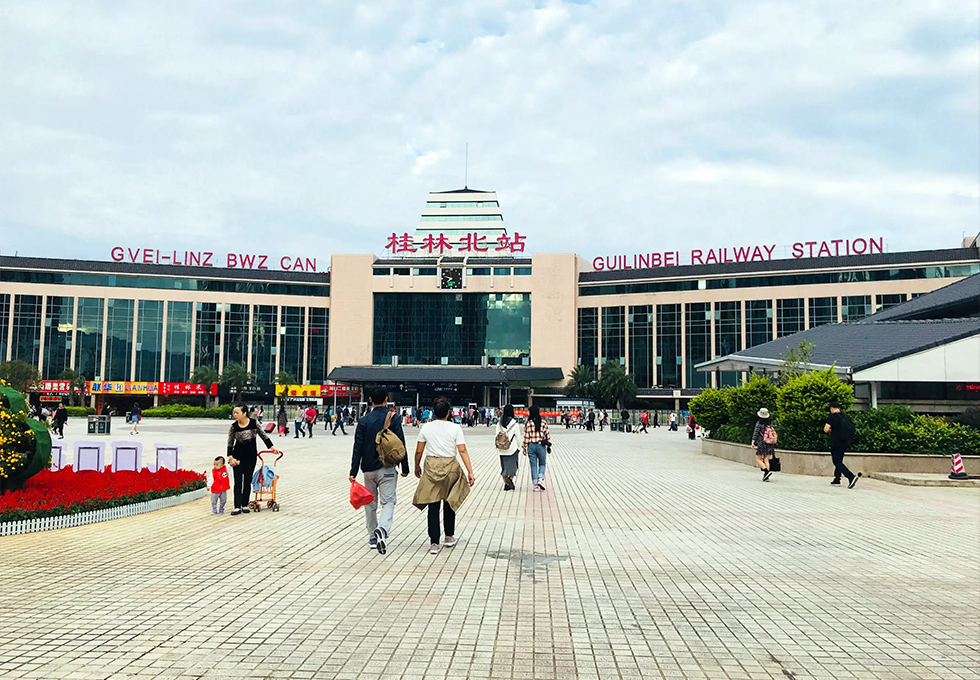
{"x": 44, "y": 317}
{"x": 74, "y": 330}
{"x": 711, "y": 350}
{"x": 105, "y": 337}
{"x": 132, "y": 353}
{"x": 163, "y": 341}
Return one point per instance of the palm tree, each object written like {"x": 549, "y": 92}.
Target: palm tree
{"x": 207, "y": 376}
{"x": 76, "y": 384}
{"x": 581, "y": 383}
{"x": 286, "y": 378}
{"x": 237, "y": 377}
{"x": 616, "y": 386}
{"x": 19, "y": 374}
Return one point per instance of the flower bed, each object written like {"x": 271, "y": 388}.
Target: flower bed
{"x": 67, "y": 492}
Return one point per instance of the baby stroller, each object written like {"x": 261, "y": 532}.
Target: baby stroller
{"x": 266, "y": 495}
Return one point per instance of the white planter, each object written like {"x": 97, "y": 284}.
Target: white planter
{"x": 27, "y": 526}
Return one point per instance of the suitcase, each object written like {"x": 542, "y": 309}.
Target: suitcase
{"x": 269, "y": 427}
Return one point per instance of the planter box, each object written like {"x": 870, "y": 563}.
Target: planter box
{"x": 819, "y": 463}
{"x": 27, "y": 526}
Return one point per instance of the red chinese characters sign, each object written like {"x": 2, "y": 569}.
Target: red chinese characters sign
{"x": 54, "y": 387}
{"x": 439, "y": 244}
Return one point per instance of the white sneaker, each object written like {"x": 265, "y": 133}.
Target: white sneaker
{"x": 434, "y": 548}
{"x": 450, "y": 541}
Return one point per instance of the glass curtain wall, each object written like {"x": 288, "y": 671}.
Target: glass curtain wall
{"x": 26, "y": 344}
{"x": 588, "y": 337}
{"x": 669, "y": 345}
{"x": 207, "y": 346}
{"x": 149, "y": 340}
{"x": 291, "y": 336}
{"x": 4, "y": 324}
{"x": 758, "y": 322}
{"x": 855, "y": 307}
{"x": 728, "y": 337}
{"x": 641, "y": 345}
{"x": 58, "y": 320}
{"x": 88, "y": 337}
{"x": 236, "y": 335}
{"x": 119, "y": 340}
{"x": 823, "y": 311}
{"x": 698, "y": 342}
{"x": 614, "y": 334}
{"x": 316, "y": 345}
{"x": 789, "y": 317}
{"x": 265, "y": 327}
{"x": 180, "y": 335}
{"x": 886, "y": 301}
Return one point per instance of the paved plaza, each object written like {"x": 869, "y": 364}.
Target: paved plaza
{"x": 644, "y": 559}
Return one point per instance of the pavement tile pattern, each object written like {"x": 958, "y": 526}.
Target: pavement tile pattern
{"x": 643, "y": 559}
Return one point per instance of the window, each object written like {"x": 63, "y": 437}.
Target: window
{"x": 119, "y": 340}
{"x": 163, "y": 283}
{"x": 265, "y": 335}
{"x": 421, "y": 328}
{"x": 381, "y": 271}
{"x": 728, "y": 337}
{"x": 588, "y": 336}
{"x": 478, "y": 271}
{"x": 180, "y": 330}
{"x": 402, "y": 271}
{"x": 855, "y": 307}
{"x": 291, "y": 329}
{"x": 501, "y": 271}
{"x": 27, "y": 329}
{"x": 4, "y": 324}
{"x": 58, "y": 325}
{"x": 789, "y": 317}
{"x": 758, "y": 322}
{"x": 522, "y": 271}
{"x": 823, "y": 311}
{"x": 886, "y": 301}
{"x": 207, "y": 345}
{"x": 641, "y": 364}
{"x": 697, "y": 338}
{"x": 669, "y": 345}
{"x": 88, "y": 338}
{"x": 425, "y": 271}
{"x": 149, "y": 339}
{"x": 236, "y": 335}
{"x": 316, "y": 345}
{"x": 614, "y": 334}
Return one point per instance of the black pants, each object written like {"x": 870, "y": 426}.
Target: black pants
{"x": 339, "y": 423}
{"x": 643, "y": 427}
{"x": 837, "y": 455}
{"x": 309, "y": 424}
{"x": 450, "y": 520}
{"x": 243, "y": 481}
{"x": 59, "y": 427}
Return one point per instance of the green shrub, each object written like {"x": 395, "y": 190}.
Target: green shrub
{"x": 897, "y": 429}
{"x": 186, "y": 411}
{"x": 969, "y": 417}
{"x": 710, "y": 408}
{"x": 802, "y": 408}
{"x": 745, "y": 401}
{"x": 732, "y": 433}
{"x": 79, "y": 411}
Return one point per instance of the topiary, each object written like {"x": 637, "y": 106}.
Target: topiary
{"x": 802, "y": 407}
{"x": 969, "y": 417}
{"x": 25, "y": 443}
{"x": 745, "y": 401}
{"x": 710, "y": 408}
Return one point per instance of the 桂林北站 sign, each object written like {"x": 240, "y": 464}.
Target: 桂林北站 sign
{"x": 206, "y": 258}
{"x": 670, "y": 258}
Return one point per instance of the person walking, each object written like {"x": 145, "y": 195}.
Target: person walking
{"x": 672, "y": 420}
{"x": 764, "y": 442}
{"x": 298, "y": 419}
{"x": 381, "y": 481}
{"x": 310, "y": 416}
{"x": 243, "y": 454}
{"x": 625, "y": 415}
{"x": 536, "y": 445}
{"x": 282, "y": 421}
{"x": 656, "y": 419}
{"x": 692, "y": 428}
{"x": 59, "y": 420}
{"x": 644, "y": 421}
{"x": 135, "y": 416}
{"x": 590, "y": 422}
{"x": 507, "y": 440}
{"x": 339, "y": 422}
{"x": 840, "y": 427}
{"x": 442, "y": 483}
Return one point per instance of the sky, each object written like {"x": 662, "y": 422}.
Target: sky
{"x": 317, "y": 128}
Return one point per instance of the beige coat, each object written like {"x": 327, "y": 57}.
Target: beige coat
{"x": 442, "y": 480}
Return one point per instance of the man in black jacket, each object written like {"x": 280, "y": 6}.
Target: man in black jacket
{"x": 379, "y": 480}
{"x": 835, "y": 427}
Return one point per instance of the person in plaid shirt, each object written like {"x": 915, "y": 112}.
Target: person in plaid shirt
{"x": 537, "y": 444}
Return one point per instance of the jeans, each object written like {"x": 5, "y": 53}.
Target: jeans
{"x": 837, "y": 455}
{"x": 340, "y": 424}
{"x": 243, "y": 481}
{"x": 217, "y": 498}
{"x": 298, "y": 428}
{"x": 449, "y": 516}
{"x": 382, "y": 484}
{"x": 537, "y": 456}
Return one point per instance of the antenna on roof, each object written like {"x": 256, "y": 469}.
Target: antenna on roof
{"x": 466, "y": 168}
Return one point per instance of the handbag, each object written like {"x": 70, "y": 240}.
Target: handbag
{"x": 774, "y": 464}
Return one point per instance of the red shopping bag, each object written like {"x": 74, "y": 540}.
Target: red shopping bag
{"x": 360, "y": 496}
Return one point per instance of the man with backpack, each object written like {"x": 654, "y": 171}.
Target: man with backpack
{"x": 379, "y": 446}
{"x": 840, "y": 427}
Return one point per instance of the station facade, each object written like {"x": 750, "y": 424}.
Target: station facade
{"x": 457, "y": 294}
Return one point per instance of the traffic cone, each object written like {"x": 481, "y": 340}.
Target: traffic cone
{"x": 957, "y": 468}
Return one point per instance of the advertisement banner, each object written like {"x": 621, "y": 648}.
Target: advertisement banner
{"x": 316, "y": 391}
{"x": 192, "y": 389}
{"x": 139, "y": 388}
{"x": 53, "y": 387}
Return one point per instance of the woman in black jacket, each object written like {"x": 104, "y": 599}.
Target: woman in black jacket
{"x": 763, "y": 450}
{"x": 243, "y": 454}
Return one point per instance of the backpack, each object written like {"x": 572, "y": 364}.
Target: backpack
{"x": 847, "y": 429}
{"x": 769, "y": 435}
{"x": 390, "y": 449}
{"x": 502, "y": 441}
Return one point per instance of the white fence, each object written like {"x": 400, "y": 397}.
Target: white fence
{"x": 27, "y": 526}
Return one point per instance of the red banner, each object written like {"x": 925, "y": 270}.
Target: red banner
{"x": 54, "y": 387}
{"x": 179, "y": 388}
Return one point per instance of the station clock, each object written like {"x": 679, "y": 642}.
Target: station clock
{"x": 452, "y": 278}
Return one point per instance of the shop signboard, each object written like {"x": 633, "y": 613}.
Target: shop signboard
{"x": 317, "y": 391}
{"x": 61, "y": 387}
{"x": 188, "y": 389}
{"x": 113, "y": 387}
{"x": 248, "y": 392}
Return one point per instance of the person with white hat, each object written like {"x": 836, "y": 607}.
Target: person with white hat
{"x": 764, "y": 442}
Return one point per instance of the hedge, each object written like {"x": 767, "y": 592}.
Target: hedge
{"x": 79, "y": 411}
{"x": 185, "y": 411}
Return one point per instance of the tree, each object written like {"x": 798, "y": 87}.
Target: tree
{"x": 19, "y": 374}
{"x": 802, "y": 406}
{"x": 207, "y": 376}
{"x": 616, "y": 386}
{"x": 710, "y": 408}
{"x": 745, "y": 401}
{"x": 236, "y": 376}
{"x": 76, "y": 383}
{"x": 581, "y": 383}
{"x": 286, "y": 378}
{"x": 796, "y": 361}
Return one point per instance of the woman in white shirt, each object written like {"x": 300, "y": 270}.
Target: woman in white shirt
{"x": 508, "y": 440}
{"x": 442, "y": 483}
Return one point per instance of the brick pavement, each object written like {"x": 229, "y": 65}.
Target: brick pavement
{"x": 644, "y": 559}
